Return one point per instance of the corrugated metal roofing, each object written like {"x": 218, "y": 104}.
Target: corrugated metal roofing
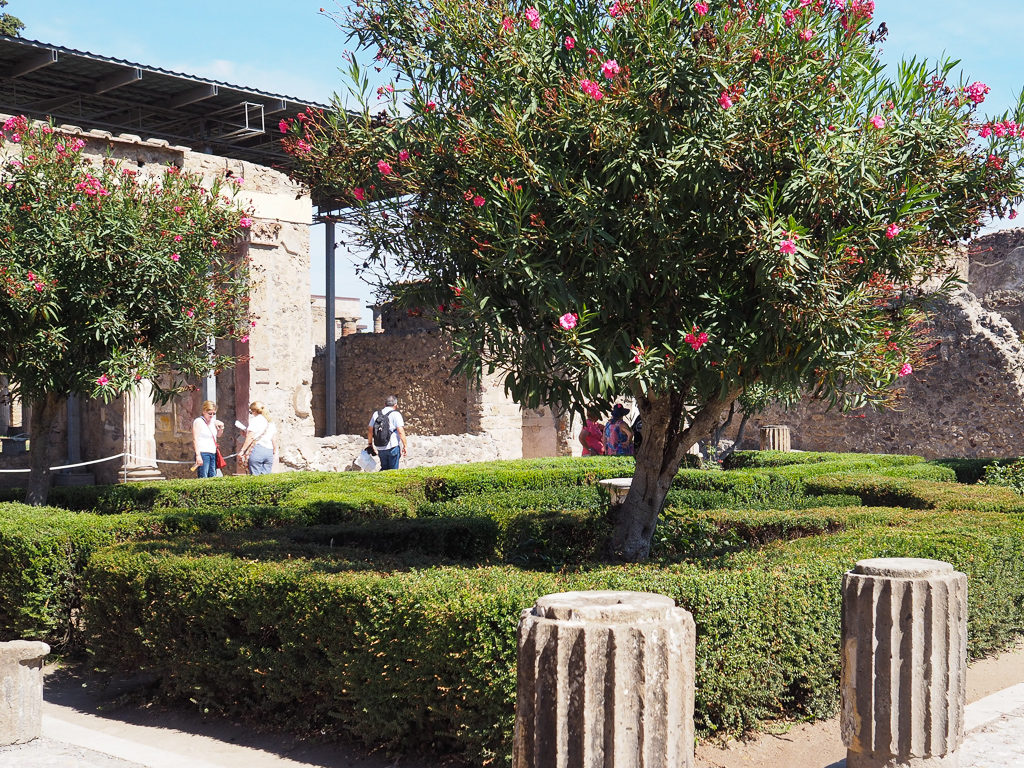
{"x": 43, "y": 80}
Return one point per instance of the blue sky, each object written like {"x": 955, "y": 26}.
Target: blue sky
{"x": 290, "y": 48}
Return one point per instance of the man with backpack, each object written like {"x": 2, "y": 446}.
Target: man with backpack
{"x": 386, "y": 433}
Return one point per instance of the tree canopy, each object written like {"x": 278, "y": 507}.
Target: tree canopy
{"x": 109, "y": 276}
{"x": 10, "y": 25}
{"x": 673, "y": 201}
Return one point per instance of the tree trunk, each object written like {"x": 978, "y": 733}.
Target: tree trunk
{"x": 666, "y": 440}
{"x": 44, "y": 415}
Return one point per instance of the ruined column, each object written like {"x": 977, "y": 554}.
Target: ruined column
{"x": 605, "y": 680}
{"x": 775, "y": 438}
{"x": 140, "y": 435}
{"x": 21, "y": 690}
{"x": 904, "y": 663}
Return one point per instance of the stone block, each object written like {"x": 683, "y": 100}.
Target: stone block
{"x": 21, "y": 690}
{"x": 605, "y": 680}
{"x": 904, "y": 656}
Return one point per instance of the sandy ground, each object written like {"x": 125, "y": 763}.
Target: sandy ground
{"x": 819, "y": 745}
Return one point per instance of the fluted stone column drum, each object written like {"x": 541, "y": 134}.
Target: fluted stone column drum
{"x": 904, "y": 663}
{"x": 605, "y": 680}
{"x": 775, "y": 437}
{"x": 21, "y": 690}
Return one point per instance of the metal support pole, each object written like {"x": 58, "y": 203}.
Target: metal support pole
{"x": 330, "y": 352}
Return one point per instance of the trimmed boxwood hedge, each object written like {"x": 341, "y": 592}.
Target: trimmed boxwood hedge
{"x": 383, "y": 607}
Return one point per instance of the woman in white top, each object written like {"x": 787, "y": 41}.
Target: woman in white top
{"x": 205, "y": 431}
{"x": 260, "y": 444}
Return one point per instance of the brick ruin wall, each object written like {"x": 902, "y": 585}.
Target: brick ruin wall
{"x": 969, "y": 402}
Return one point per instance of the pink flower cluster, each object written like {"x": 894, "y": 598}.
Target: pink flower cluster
{"x": 807, "y": 34}
{"x": 976, "y": 92}
{"x": 905, "y": 370}
{"x": 878, "y": 122}
{"x": 568, "y": 321}
{"x": 893, "y": 230}
{"x": 1001, "y": 129}
{"x": 787, "y": 246}
{"x": 592, "y": 89}
{"x": 103, "y": 380}
{"x": 570, "y": 43}
{"x": 696, "y": 338}
{"x": 92, "y": 187}
{"x": 533, "y": 16}
{"x": 638, "y": 353}
{"x": 384, "y": 167}
{"x": 245, "y": 222}
{"x": 507, "y": 24}
{"x": 701, "y": 8}
{"x": 610, "y": 69}
{"x": 725, "y": 100}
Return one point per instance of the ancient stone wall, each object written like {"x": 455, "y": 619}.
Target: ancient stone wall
{"x": 969, "y": 401}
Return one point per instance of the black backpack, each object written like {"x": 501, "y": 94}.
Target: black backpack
{"x": 382, "y": 428}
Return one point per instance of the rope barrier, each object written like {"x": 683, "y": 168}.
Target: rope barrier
{"x": 111, "y": 458}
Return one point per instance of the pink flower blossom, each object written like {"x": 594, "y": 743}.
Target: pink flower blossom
{"x": 214, "y": 242}
{"x": 507, "y": 24}
{"x": 430, "y": 106}
{"x": 757, "y": 55}
{"x": 905, "y": 370}
{"x": 190, "y": 313}
{"x": 283, "y": 125}
{"x": 1013, "y": 214}
{"x": 31, "y": 276}
{"x": 570, "y": 43}
{"x": 359, "y": 193}
{"x": 244, "y": 338}
{"x": 533, "y": 16}
{"x": 568, "y": 321}
{"x": 615, "y": 10}
{"x": 696, "y": 339}
{"x": 878, "y": 122}
{"x": 610, "y": 69}
{"x": 807, "y": 35}
{"x": 976, "y": 92}
{"x": 724, "y": 100}
{"x": 893, "y": 230}
{"x": 384, "y": 167}
{"x": 994, "y": 161}
{"x": 38, "y": 286}
{"x": 592, "y": 89}
{"x": 403, "y": 155}
{"x": 175, "y": 257}
{"x": 787, "y": 246}
{"x": 985, "y": 131}
{"x": 478, "y": 201}
{"x": 701, "y": 8}
{"x": 789, "y": 17}
{"x": 245, "y": 222}
{"x": 638, "y": 353}
{"x": 303, "y": 146}
{"x": 103, "y": 380}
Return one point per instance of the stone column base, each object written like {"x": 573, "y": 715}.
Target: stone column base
{"x": 21, "y": 690}
{"x": 141, "y": 474}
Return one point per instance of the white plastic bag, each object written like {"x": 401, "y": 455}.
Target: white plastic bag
{"x": 366, "y": 462}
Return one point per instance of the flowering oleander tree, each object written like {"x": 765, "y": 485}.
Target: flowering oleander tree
{"x": 671, "y": 200}
{"x": 108, "y": 277}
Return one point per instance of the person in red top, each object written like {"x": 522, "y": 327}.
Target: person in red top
{"x": 592, "y": 434}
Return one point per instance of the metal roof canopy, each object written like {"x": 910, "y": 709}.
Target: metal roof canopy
{"x": 43, "y": 81}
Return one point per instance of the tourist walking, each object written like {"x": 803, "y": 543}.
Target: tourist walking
{"x": 205, "y": 431}
{"x": 386, "y": 433}
{"x": 592, "y": 434}
{"x": 260, "y": 446}
{"x": 618, "y": 437}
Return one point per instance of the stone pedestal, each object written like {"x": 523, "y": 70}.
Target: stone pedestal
{"x": 605, "y": 680}
{"x": 904, "y": 663}
{"x": 775, "y": 438}
{"x": 617, "y": 489}
{"x": 21, "y": 690}
{"x": 140, "y": 435}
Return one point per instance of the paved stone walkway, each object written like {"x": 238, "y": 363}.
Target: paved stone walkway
{"x": 76, "y": 739}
